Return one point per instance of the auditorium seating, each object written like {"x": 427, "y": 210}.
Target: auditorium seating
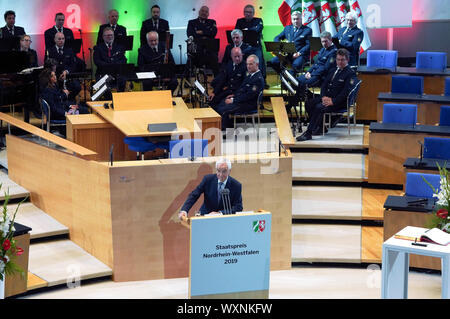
{"x": 418, "y": 187}
{"x": 444, "y": 117}
{"x": 140, "y": 145}
{"x": 382, "y": 58}
{"x": 447, "y": 87}
{"x": 188, "y": 148}
{"x": 431, "y": 60}
{"x": 407, "y": 84}
{"x": 400, "y": 113}
{"x": 436, "y": 147}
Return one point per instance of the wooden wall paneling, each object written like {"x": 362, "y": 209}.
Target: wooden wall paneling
{"x": 433, "y": 84}
{"x": 371, "y": 86}
{"x": 17, "y": 283}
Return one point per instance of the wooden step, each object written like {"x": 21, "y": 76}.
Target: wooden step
{"x": 13, "y": 189}
{"x": 34, "y": 282}
{"x": 371, "y": 244}
{"x": 328, "y": 167}
{"x": 42, "y": 225}
{"x": 373, "y": 202}
{"x": 323, "y": 202}
{"x": 61, "y": 261}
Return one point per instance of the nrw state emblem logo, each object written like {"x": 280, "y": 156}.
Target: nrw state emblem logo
{"x": 259, "y": 226}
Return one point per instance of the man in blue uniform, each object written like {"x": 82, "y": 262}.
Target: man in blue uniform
{"x": 211, "y": 187}
{"x": 249, "y": 22}
{"x": 151, "y": 56}
{"x": 119, "y": 30}
{"x": 246, "y": 97}
{"x": 200, "y": 29}
{"x": 326, "y": 59}
{"x": 49, "y": 34}
{"x": 299, "y": 34}
{"x": 237, "y": 38}
{"x": 229, "y": 78}
{"x": 10, "y": 29}
{"x": 333, "y": 95}
{"x": 155, "y": 23}
{"x": 350, "y": 38}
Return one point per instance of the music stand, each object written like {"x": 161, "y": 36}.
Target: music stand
{"x": 74, "y": 44}
{"x": 250, "y": 37}
{"x": 8, "y": 44}
{"x": 13, "y": 61}
{"x": 126, "y": 42}
{"x": 124, "y": 69}
{"x": 315, "y": 43}
{"x": 281, "y": 50}
{"x": 336, "y": 43}
{"x": 211, "y": 45}
{"x": 162, "y": 38}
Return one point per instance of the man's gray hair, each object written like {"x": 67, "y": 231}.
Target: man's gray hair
{"x": 296, "y": 13}
{"x": 325, "y": 34}
{"x": 223, "y": 160}
{"x": 352, "y": 15}
{"x": 237, "y": 31}
{"x": 150, "y": 33}
{"x": 255, "y": 57}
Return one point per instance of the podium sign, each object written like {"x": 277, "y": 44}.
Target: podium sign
{"x": 230, "y": 256}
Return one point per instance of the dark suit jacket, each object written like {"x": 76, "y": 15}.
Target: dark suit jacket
{"x": 49, "y": 36}
{"x": 246, "y": 97}
{"x": 255, "y": 24}
{"x": 66, "y": 61}
{"x": 147, "y": 26}
{"x": 147, "y": 56}
{"x": 120, "y": 31}
{"x": 57, "y": 100}
{"x": 245, "y": 48}
{"x": 208, "y": 187}
{"x": 300, "y": 38}
{"x": 227, "y": 77}
{"x": 326, "y": 59}
{"x": 18, "y": 31}
{"x": 101, "y": 57}
{"x": 351, "y": 41}
{"x": 33, "y": 59}
{"x": 208, "y": 27}
{"x": 338, "y": 87}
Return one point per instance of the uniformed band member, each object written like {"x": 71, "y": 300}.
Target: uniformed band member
{"x": 351, "y": 37}
{"x": 25, "y": 42}
{"x": 10, "y": 29}
{"x": 333, "y": 95}
{"x": 119, "y": 30}
{"x": 155, "y": 23}
{"x": 250, "y": 22}
{"x": 203, "y": 28}
{"x": 66, "y": 63}
{"x": 245, "y": 99}
{"x": 326, "y": 59}
{"x": 229, "y": 78}
{"x": 49, "y": 34}
{"x": 237, "y": 38}
{"x": 153, "y": 55}
{"x": 299, "y": 34}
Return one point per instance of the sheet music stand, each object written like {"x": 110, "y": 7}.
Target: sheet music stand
{"x": 8, "y": 44}
{"x": 13, "y": 61}
{"x": 124, "y": 69}
{"x": 211, "y": 45}
{"x": 281, "y": 50}
{"x": 162, "y": 39}
{"x": 315, "y": 43}
{"x": 250, "y": 37}
{"x": 74, "y": 44}
{"x": 336, "y": 43}
{"x": 126, "y": 42}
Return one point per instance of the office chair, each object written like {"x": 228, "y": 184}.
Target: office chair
{"x": 436, "y": 147}
{"x": 400, "y": 113}
{"x": 382, "y": 58}
{"x": 188, "y": 148}
{"x": 416, "y": 185}
{"x": 407, "y": 84}
{"x": 444, "y": 116}
{"x": 431, "y": 60}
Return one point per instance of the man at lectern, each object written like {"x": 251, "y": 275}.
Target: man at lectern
{"x": 212, "y": 187}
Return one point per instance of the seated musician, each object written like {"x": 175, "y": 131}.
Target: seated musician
{"x": 200, "y": 29}
{"x": 151, "y": 56}
{"x": 67, "y": 63}
{"x": 49, "y": 34}
{"x": 238, "y": 41}
{"x": 245, "y": 99}
{"x": 107, "y": 53}
{"x": 326, "y": 59}
{"x": 57, "y": 99}
{"x": 25, "y": 42}
{"x": 10, "y": 29}
{"x": 299, "y": 34}
{"x": 229, "y": 78}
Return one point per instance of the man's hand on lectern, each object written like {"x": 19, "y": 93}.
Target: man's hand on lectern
{"x": 182, "y": 215}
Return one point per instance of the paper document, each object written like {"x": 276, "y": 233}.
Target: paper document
{"x": 146, "y": 75}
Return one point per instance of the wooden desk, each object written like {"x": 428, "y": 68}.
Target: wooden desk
{"x": 391, "y": 144}
{"x": 428, "y": 105}
{"x": 376, "y": 81}
{"x": 135, "y": 123}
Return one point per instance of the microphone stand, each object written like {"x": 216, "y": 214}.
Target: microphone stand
{"x": 180, "y": 91}
{"x": 84, "y": 61}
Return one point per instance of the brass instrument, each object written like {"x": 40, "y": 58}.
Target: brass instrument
{"x": 166, "y": 55}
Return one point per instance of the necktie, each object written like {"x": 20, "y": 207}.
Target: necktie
{"x": 109, "y": 50}
{"x": 114, "y": 28}
{"x": 60, "y": 51}
{"x": 11, "y": 31}
{"x": 61, "y": 30}
{"x": 218, "y": 191}
{"x": 335, "y": 73}
{"x": 234, "y": 66}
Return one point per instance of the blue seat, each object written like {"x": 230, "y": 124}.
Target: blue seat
{"x": 447, "y": 87}
{"x": 382, "y": 58}
{"x": 407, "y": 84}
{"x": 188, "y": 148}
{"x": 400, "y": 113}
{"x": 444, "y": 117}
{"x": 431, "y": 60}
{"x": 140, "y": 145}
{"x": 436, "y": 147}
{"x": 416, "y": 185}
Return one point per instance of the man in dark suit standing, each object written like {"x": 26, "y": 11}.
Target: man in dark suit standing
{"x": 238, "y": 42}
{"x": 49, "y": 34}
{"x": 108, "y": 52}
{"x": 10, "y": 29}
{"x": 299, "y": 34}
{"x": 333, "y": 95}
{"x": 119, "y": 30}
{"x": 67, "y": 63}
{"x": 229, "y": 79}
{"x": 199, "y": 29}
{"x": 152, "y": 56}
{"x": 211, "y": 187}
{"x": 245, "y": 99}
{"x": 155, "y": 23}
{"x": 350, "y": 38}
